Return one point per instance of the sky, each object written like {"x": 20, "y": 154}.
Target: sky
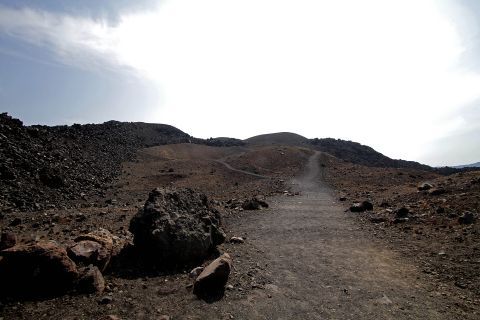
{"x": 402, "y": 76}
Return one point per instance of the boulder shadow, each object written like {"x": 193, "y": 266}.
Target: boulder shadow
{"x": 211, "y": 297}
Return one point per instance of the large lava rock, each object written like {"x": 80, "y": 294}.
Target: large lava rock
{"x": 36, "y": 270}
{"x": 176, "y": 227}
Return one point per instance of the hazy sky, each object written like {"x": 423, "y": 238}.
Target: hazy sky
{"x": 402, "y": 76}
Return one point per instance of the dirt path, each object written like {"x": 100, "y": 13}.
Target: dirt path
{"x": 241, "y": 171}
{"x": 323, "y": 266}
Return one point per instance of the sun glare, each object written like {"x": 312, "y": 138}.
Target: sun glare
{"x": 361, "y": 61}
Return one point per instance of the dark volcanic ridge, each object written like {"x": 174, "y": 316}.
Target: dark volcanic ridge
{"x": 471, "y": 165}
{"x": 349, "y": 151}
{"x": 63, "y": 166}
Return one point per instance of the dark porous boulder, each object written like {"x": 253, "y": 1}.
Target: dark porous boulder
{"x": 36, "y": 270}
{"x": 176, "y": 226}
{"x": 211, "y": 282}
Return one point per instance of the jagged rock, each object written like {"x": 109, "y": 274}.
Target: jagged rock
{"x": 214, "y": 278}
{"x": 36, "y": 269}
{"x": 176, "y": 226}
{"x": 90, "y": 280}
{"x": 7, "y": 240}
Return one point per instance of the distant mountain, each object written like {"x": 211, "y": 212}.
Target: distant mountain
{"x": 346, "y": 150}
{"x": 279, "y": 138}
{"x": 472, "y": 165}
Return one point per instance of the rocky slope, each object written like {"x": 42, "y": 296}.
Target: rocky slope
{"x": 43, "y": 167}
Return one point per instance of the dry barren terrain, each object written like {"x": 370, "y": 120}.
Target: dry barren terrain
{"x": 305, "y": 256}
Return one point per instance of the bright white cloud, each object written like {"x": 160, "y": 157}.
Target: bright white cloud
{"x": 381, "y": 72}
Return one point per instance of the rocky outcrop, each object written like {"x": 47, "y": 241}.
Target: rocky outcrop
{"x": 176, "y": 227}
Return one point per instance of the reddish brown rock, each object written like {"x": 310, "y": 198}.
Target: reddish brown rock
{"x": 90, "y": 252}
{"x": 91, "y": 280}
{"x": 101, "y": 236}
{"x": 214, "y": 277}
{"x": 94, "y": 248}
{"x": 36, "y": 269}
